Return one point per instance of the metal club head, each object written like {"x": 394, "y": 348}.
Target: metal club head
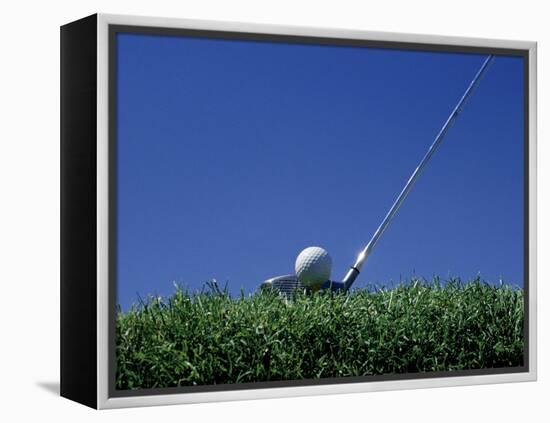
{"x": 286, "y": 285}
{"x": 289, "y": 284}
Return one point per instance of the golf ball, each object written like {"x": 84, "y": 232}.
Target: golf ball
{"x": 313, "y": 267}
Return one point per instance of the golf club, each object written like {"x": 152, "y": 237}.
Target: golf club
{"x": 289, "y": 283}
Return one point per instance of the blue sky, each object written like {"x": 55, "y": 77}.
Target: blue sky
{"x": 233, "y": 156}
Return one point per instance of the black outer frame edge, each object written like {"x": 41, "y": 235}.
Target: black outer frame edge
{"x": 78, "y": 266}
{"x": 170, "y": 31}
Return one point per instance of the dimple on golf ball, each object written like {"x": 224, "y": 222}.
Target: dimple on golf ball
{"x": 313, "y": 267}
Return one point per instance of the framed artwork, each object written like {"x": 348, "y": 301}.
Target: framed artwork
{"x": 255, "y": 211}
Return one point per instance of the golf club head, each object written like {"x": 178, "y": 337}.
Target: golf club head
{"x": 288, "y": 284}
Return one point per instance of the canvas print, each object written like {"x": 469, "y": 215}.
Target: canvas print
{"x": 293, "y": 211}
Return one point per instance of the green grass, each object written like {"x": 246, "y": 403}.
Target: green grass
{"x": 211, "y": 338}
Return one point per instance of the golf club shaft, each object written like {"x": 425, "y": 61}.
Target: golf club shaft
{"x": 354, "y": 270}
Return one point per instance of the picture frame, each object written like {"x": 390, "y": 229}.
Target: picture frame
{"x": 90, "y": 72}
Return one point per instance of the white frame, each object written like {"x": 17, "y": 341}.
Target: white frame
{"x": 103, "y": 400}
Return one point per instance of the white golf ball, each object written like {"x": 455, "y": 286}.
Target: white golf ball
{"x": 313, "y": 267}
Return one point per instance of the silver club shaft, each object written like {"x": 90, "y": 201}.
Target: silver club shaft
{"x": 353, "y": 272}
